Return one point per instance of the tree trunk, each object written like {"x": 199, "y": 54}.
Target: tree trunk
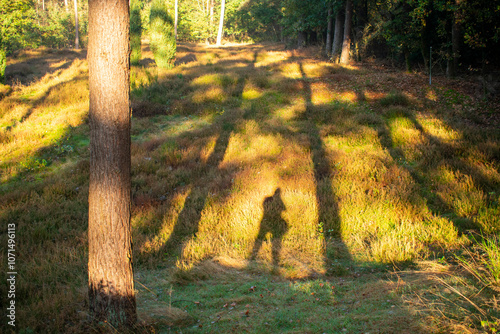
{"x": 362, "y": 20}
{"x": 455, "y": 43}
{"x": 211, "y": 12}
{"x": 407, "y": 60}
{"x": 221, "y": 23}
{"x": 66, "y": 5}
{"x": 111, "y": 285}
{"x": 328, "y": 47}
{"x": 346, "y": 45}
{"x": 301, "y": 39}
{"x": 77, "y": 38}
{"x": 176, "y": 18}
{"x": 426, "y": 35}
{"x": 337, "y": 36}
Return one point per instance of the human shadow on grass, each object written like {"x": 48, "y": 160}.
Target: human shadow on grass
{"x": 272, "y": 226}
{"x": 306, "y": 131}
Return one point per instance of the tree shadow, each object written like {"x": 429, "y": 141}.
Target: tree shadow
{"x": 33, "y": 104}
{"x": 329, "y": 222}
{"x": 442, "y": 153}
{"x": 46, "y": 62}
{"x": 188, "y": 220}
{"x": 272, "y": 226}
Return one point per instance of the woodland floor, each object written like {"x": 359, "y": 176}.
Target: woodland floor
{"x": 273, "y": 192}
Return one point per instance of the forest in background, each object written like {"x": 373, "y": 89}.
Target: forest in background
{"x": 464, "y": 35}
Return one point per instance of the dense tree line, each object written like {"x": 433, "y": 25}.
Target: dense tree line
{"x": 463, "y": 34}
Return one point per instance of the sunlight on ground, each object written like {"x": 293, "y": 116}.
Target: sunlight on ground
{"x": 250, "y": 162}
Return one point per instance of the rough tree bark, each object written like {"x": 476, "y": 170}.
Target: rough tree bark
{"x": 111, "y": 285}
{"x": 346, "y": 45}
{"x": 221, "y": 23}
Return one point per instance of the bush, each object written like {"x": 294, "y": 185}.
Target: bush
{"x": 3, "y": 61}
{"x": 161, "y": 34}
{"x": 3, "y": 64}
{"x": 135, "y": 32}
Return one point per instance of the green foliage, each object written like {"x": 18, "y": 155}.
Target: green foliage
{"x": 400, "y": 30}
{"x": 3, "y": 64}
{"x": 33, "y": 164}
{"x": 302, "y": 16}
{"x": 161, "y": 33}
{"x": 481, "y": 20}
{"x": 135, "y": 32}
{"x": 256, "y": 20}
{"x": 18, "y": 24}
{"x": 195, "y": 23}
{"x": 3, "y": 61}
{"x": 24, "y": 24}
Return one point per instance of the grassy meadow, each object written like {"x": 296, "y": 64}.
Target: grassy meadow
{"x": 273, "y": 192}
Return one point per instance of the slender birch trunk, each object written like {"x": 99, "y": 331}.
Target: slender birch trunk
{"x": 221, "y": 23}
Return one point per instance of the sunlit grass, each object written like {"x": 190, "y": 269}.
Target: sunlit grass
{"x": 253, "y": 164}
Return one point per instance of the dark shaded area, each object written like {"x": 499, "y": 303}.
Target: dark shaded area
{"x": 147, "y": 109}
{"x": 189, "y": 58}
{"x": 119, "y": 310}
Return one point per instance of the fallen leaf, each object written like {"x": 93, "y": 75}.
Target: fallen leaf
{"x": 261, "y": 296}
{"x": 225, "y": 305}
{"x": 321, "y": 284}
{"x": 252, "y": 288}
{"x": 247, "y": 312}
{"x": 233, "y": 304}
{"x": 197, "y": 303}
